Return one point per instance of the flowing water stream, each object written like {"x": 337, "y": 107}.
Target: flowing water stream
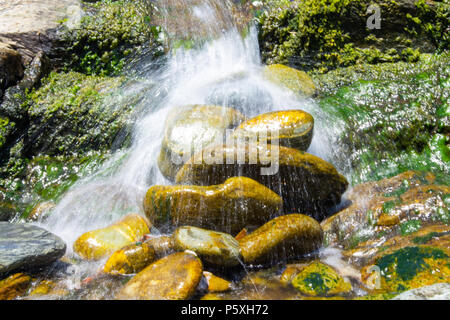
{"x": 223, "y": 67}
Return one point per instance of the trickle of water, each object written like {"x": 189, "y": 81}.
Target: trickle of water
{"x": 224, "y": 69}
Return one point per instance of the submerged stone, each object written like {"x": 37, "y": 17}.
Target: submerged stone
{"x": 291, "y": 128}
{"x": 24, "y": 246}
{"x": 96, "y": 244}
{"x": 193, "y": 128}
{"x": 305, "y": 182}
{"x": 130, "y": 259}
{"x": 163, "y": 245}
{"x": 174, "y": 277}
{"x": 213, "y": 247}
{"x": 292, "y": 79}
{"x": 318, "y": 279}
{"x": 282, "y": 238}
{"x": 14, "y": 286}
{"x": 228, "y": 207}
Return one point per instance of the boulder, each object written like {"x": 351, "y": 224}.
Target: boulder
{"x": 130, "y": 259}
{"x": 283, "y": 238}
{"x": 174, "y": 277}
{"x": 212, "y": 247}
{"x": 291, "y": 128}
{"x": 305, "y": 182}
{"x": 228, "y": 207}
{"x": 96, "y": 244}
{"x": 319, "y": 279}
{"x": 291, "y": 79}
{"x": 193, "y": 128}
{"x": 26, "y": 247}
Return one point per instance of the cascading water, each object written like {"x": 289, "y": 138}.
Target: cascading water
{"x": 222, "y": 68}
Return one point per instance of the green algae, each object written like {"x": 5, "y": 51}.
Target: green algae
{"x": 409, "y": 227}
{"x": 426, "y": 238}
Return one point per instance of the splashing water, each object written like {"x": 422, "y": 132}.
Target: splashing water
{"x": 225, "y": 69}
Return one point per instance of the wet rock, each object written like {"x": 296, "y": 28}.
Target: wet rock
{"x": 292, "y": 79}
{"x": 291, "y": 128}
{"x": 318, "y": 279}
{"x": 163, "y": 245}
{"x": 193, "y": 128}
{"x": 213, "y": 247}
{"x": 216, "y": 284}
{"x": 130, "y": 259}
{"x": 41, "y": 211}
{"x": 228, "y": 207}
{"x": 96, "y": 244}
{"x": 11, "y": 69}
{"x": 7, "y": 210}
{"x": 305, "y": 182}
{"x": 438, "y": 291}
{"x": 387, "y": 206}
{"x": 14, "y": 286}
{"x": 174, "y": 277}
{"x": 25, "y": 247}
{"x": 282, "y": 238}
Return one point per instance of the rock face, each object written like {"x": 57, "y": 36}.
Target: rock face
{"x": 282, "y": 238}
{"x": 94, "y": 245}
{"x": 213, "y": 247}
{"x": 387, "y": 206}
{"x": 130, "y": 259}
{"x": 24, "y": 246}
{"x": 438, "y": 291}
{"x": 193, "y": 128}
{"x": 305, "y": 182}
{"x": 292, "y": 79}
{"x": 318, "y": 279}
{"x": 292, "y": 128}
{"x": 228, "y": 207}
{"x": 174, "y": 277}
{"x": 14, "y": 286}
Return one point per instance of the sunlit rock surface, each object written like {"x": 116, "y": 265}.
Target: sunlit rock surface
{"x": 99, "y": 243}
{"x": 292, "y": 79}
{"x": 130, "y": 259}
{"x": 228, "y": 207}
{"x": 174, "y": 277}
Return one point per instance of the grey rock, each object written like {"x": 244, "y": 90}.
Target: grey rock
{"x": 25, "y": 247}
{"x": 437, "y": 291}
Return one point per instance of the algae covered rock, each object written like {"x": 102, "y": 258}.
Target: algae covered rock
{"x": 282, "y": 238}
{"x": 318, "y": 279}
{"x": 290, "y": 128}
{"x": 305, "y": 182}
{"x": 174, "y": 277}
{"x": 130, "y": 259}
{"x": 213, "y": 247}
{"x": 96, "y": 244}
{"x": 292, "y": 79}
{"x": 228, "y": 207}
{"x": 193, "y": 128}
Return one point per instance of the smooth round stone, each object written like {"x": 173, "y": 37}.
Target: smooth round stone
{"x": 318, "y": 279}
{"x": 214, "y": 247}
{"x": 163, "y": 245}
{"x": 283, "y": 238}
{"x": 306, "y": 183}
{"x": 174, "y": 277}
{"x": 291, "y": 128}
{"x": 193, "y": 128}
{"x": 292, "y": 79}
{"x": 130, "y": 259}
{"x": 96, "y": 244}
{"x": 228, "y": 207}
{"x": 24, "y": 246}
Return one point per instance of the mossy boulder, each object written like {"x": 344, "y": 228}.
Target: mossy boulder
{"x": 132, "y": 258}
{"x": 191, "y": 128}
{"x": 14, "y": 286}
{"x": 228, "y": 207}
{"x": 282, "y": 238}
{"x": 291, "y": 128}
{"x": 305, "y": 182}
{"x": 319, "y": 279}
{"x": 212, "y": 247}
{"x": 96, "y": 244}
{"x": 174, "y": 277}
{"x": 388, "y": 207}
{"x": 325, "y": 34}
{"x": 298, "y": 82}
